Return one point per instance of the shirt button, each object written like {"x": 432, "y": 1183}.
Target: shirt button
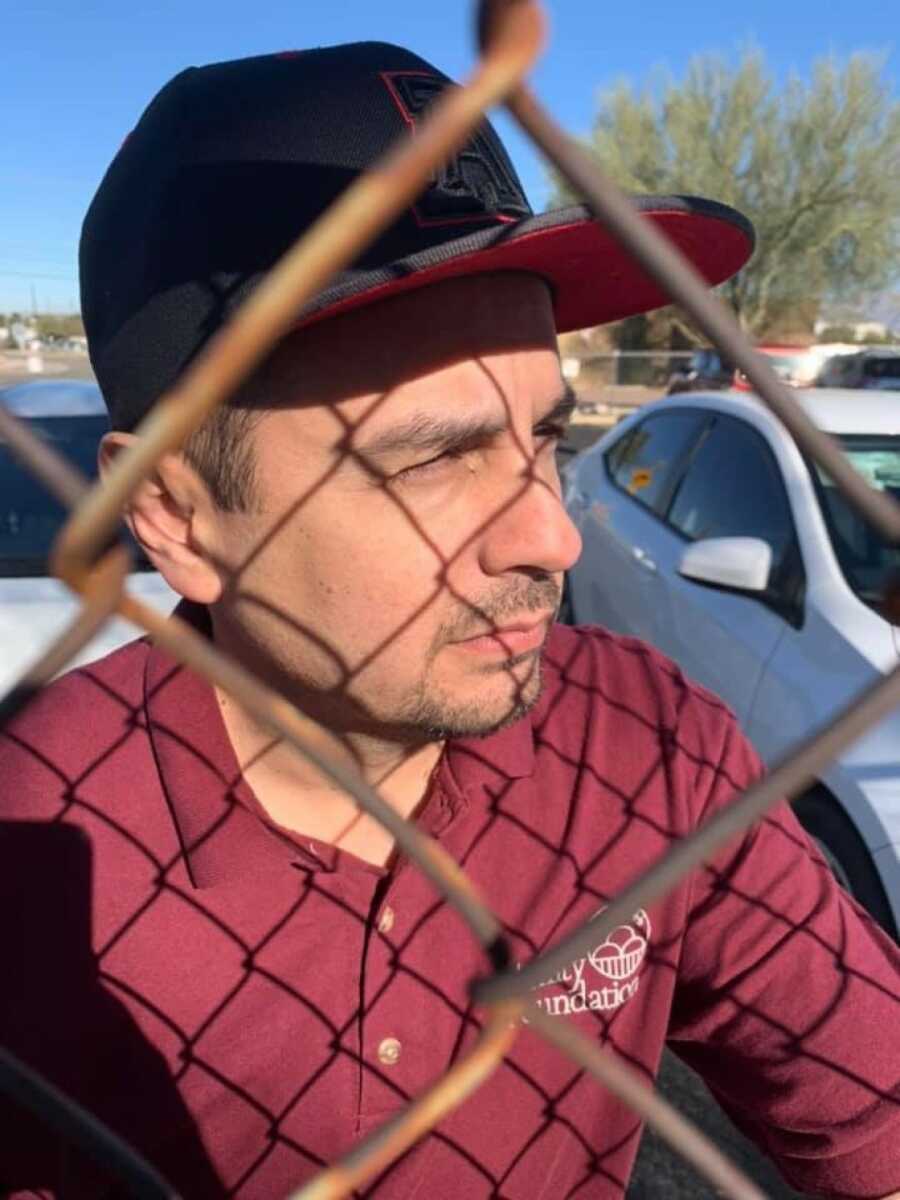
{"x": 389, "y": 1051}
{"x": 386, "y": 920}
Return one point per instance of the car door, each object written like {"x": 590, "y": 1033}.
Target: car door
{"x": 616, "y": 501}
{"x": 723, "y": 639}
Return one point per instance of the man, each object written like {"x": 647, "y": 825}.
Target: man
{"x": 223, "y": 959}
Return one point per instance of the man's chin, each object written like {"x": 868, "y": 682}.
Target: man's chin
{"x": 477, "y": 705}
{"x": 482, "y": 708}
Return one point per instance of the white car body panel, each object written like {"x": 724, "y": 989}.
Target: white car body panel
{"x": 782, "y": 682}
{"x": 736, "y": 634}
{"x": 613, "y": 536}
{"x": 33, "y": 611}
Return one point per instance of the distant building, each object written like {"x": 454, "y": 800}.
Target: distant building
{"x": 871, "y": 329}
{"x": 861, "y": 331}
{"x": 21, "y": 334}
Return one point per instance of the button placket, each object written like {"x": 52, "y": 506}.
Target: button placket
{"x": 395, "y": 1014}
{"x": 385, "y": 1045}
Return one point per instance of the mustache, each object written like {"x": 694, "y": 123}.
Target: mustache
{"x": 531, "y": 595}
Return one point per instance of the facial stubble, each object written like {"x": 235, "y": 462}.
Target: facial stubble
{"x": 432, "y": 714}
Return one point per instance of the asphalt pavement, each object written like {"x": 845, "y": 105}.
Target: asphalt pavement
{"x": 660, "y": 1172}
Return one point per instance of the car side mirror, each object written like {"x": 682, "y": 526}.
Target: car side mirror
{"x": 740, "y": 563}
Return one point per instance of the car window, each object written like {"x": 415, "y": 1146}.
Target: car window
{"x": 883, "y": 372}
{"x": 646, "y": 460}
{"x": 867, "y": 559}
{"x": 733, "y": 488}
{"x": 838, "y": 371}
{"x": 29, "y": 516}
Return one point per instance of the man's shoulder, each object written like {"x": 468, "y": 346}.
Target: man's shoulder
{"x": 600, "y": 680}
{"x": 70, "y": 728}
{"x": 601, "y": 666}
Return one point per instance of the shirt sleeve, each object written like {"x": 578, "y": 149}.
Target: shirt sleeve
{"x": 788, "y": 1002}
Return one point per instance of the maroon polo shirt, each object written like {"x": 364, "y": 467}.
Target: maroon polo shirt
{"x": 244, "y": 1004}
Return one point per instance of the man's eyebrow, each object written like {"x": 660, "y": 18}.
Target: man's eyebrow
{"x": 426, "y": 431}
{"x": 429, "y": 432}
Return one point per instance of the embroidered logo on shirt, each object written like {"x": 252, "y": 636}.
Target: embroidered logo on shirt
{"x": 605, "y": 978}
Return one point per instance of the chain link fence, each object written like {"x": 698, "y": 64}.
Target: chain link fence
{"x": 86, "y": 557}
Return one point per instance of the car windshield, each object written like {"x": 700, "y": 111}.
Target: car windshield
{"x": 29, "y": 516}
{"x": 866, "y": 558}
{"x": 883, "y": 369}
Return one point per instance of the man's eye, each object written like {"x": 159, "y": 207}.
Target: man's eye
{"x": 431, "y": 466}
{"x": 552, "y": 431}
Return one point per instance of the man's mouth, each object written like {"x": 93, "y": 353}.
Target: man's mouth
{"x": 510, "y": 638}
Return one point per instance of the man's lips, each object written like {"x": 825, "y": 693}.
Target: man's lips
{"x": 513, "y": 637}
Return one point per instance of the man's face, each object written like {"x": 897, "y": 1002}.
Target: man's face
{"x": 403, "y": 561}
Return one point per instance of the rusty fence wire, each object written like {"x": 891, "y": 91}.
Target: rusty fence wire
{"x": 88, "y": 559}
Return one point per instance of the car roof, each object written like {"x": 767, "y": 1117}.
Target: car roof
{"x": 836, "y": 410}
{"x": 54, "y": 398}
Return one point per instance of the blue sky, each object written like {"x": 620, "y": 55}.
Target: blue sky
{"x": 76, "y": 76}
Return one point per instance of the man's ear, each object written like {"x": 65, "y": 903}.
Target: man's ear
{"x": 165, "y": 516}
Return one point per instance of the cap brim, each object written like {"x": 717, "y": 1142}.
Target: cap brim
{"x": 593, "y": 278}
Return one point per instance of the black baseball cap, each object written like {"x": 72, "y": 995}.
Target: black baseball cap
{"x": 231, "y": 162}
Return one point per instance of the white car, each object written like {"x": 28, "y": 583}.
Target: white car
{"x": 34, "y": 607}
{"x": 707, "y": 533}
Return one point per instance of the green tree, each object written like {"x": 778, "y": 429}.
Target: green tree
{"x": 815, "y": 165}
{"x": 59, "y": 324}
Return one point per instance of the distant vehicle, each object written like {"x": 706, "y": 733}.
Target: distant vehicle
{"x": 704, "y": 369}
{"x": 708, "y": 534}
{"x": 70, "y": 416}
{"x": 792, "y": 364}
{"x": 878, "y": 370}
{"x": 798, "y": 366}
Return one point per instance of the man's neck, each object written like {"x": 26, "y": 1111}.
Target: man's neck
{"x": 296, "y": 796}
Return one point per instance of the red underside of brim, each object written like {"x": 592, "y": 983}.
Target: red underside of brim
{"x": 594, "y": 280}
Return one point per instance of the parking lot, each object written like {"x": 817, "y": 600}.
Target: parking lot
{"x": 60, "y": 364}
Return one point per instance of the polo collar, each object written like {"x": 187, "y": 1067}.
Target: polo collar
{"x": 216, "y": 814}
{"x": 224, "y": 831}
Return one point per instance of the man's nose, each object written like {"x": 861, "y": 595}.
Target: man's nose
{"x": 530, "y": 530}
